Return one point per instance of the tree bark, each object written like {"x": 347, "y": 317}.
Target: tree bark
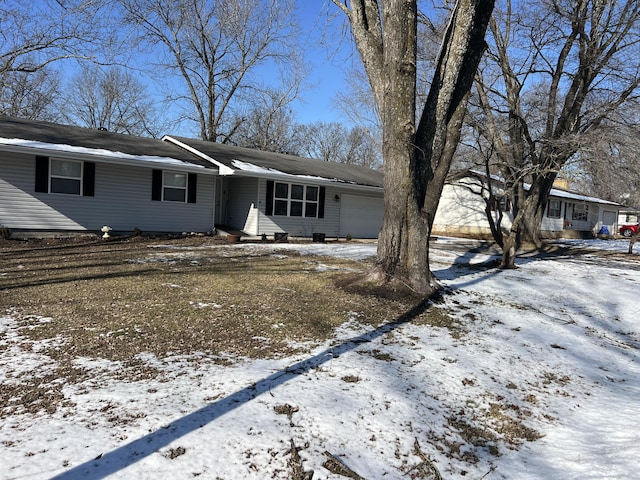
{"x": 417, "y": 160}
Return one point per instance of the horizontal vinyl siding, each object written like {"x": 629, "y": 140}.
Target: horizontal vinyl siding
{"x": 461, "y": 211}
{"x": 301, "y": 226}
{"x": 20, "y": 206}
{"x": 241, "y": 195}
{"x": 122, "y": 200}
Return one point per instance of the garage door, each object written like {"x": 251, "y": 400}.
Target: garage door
{"x": 361, "y": 216}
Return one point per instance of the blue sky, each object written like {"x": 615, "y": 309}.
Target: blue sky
{"x": 329, "y": 52}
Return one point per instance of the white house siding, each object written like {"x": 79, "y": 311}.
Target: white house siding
{"x": 301, "y": 226}
{"x": 241, "y": 196}
{"x": 122, "y": 200}
{"x": 247, "y": 205}
{"x": 463, "y": 212}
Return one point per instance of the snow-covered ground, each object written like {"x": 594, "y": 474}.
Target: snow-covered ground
{"x": 550, "y": 350}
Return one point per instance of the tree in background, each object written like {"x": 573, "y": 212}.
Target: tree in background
{"x": 216, "y": 49}
{"x": 111, "y": 99}
{"x": 33, "y": 37}
{"x": 417, "y": 157}
{"x": 335, "y": 142}
{"x": 31, "y": 95}
{"x": 557, "y": 72}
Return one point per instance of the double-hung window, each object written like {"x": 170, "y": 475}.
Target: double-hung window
{"x": 174, "y": 187}
{"x": 295, "y": 200}
{"x": 554, "y": 208}
{"x": 70, "y": 177}
{"x": 66, "y": 177}
{"x": 168, "y": 186}
{"x": 580, "y": 212}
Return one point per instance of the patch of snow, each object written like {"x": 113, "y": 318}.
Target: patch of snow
{"x": 95, "y": 151}
{"x": 550, "y": 348}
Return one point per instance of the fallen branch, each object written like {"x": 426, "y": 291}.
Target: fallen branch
{"x": 337, "y": 466}
{"x": 426, "y": 466}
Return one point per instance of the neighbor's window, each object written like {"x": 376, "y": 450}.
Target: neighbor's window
{"x": 174, "y": 187}
{"x": 580, "y": 212}
{"x": 295, "y": 200}
{"x": 66, "y": 177}
{"x": 503, "y": 203}
{"x": 554, "y": 209}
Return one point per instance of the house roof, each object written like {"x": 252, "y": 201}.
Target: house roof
{"x": 244, "y": 161}
{"x": 77, "y": 142}
{"x": 555, "y": 192}
{"x": 49, "y": 138}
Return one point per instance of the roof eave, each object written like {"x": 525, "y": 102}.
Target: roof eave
{"x": 282, "y": 176}
{"x": 135, "y": 160}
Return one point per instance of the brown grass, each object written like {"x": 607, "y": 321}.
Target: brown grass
{"x": 115, "y": 299}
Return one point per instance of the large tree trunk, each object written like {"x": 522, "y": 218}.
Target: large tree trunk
{"x": 416, "y": 160}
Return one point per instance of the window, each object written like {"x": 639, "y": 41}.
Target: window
{"x": 294, "y": 200}
{"x": 174, "y": 187}
{"x": 580, "y": 212}
{"x": 502, "y": 202}
{"x": 170, "y": 186}
{"x": 554, "y": 209}
{"x": 70, "y": 177}
{"x": 66, "y": 177}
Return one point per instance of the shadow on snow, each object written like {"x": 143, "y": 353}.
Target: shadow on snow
{"x": 127, "y": 455}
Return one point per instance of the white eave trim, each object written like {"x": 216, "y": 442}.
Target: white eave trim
{"x": 222, "y": 169}
{"x": 307, "y": 180}
{"x": 62, "y": 151}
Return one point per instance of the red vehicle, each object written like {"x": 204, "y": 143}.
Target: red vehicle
{"x": 629, "y": 230}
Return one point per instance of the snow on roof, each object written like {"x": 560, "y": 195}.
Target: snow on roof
{"x": 555, "y": 192}
{"x": 249, "y": 167}
{"x": 576, "y": 196}
{"x": 101, "y": 152}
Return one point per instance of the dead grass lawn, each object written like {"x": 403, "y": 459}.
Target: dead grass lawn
{"x": 115, "y": 299}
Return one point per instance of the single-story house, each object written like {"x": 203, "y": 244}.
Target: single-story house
{"x": 567, "y": 214}
{"x": 57, "y": 178}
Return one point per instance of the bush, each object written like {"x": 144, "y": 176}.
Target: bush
{"x": 5, "y": 232}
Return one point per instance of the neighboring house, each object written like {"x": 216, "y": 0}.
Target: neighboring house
{"x": 59, "y": 178}
{"x": 567, "y": 214}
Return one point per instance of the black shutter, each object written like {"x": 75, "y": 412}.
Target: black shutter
{"x": 192, "y": 184}
{"x": 42, "y": 174}
{"x": 268, "y": 210}
{"x": 321, "y": 202}
{"x": 88, "y": 179}
{"x": 156, "y": 185}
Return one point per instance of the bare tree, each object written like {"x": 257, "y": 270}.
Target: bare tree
{"x": 217, "y": 49}
{"x": 30, "y": 95}
{"x": 34, "y": 36}
{"x": 556, "y": 71}
{"x": 323, "y": 140}
{"x": 111, "y": 99}
{"x": 269, "y": 123}
{"x": 416, "y": 157}
{"x": 609, "y": 167}
{"x": 336, "y": 142}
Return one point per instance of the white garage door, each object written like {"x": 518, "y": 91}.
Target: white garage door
{"x": 360, "y": 216}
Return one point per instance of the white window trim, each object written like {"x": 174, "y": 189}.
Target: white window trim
{"x": 304, "y": 200}
{"x": 173, "y": 187}
{"x": 583, "y": 210}
{"x": 52, "y": 176}
{"x": 559, "y": 208}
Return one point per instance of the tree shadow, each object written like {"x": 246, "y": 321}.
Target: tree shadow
{"x": 127, "y": 455}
